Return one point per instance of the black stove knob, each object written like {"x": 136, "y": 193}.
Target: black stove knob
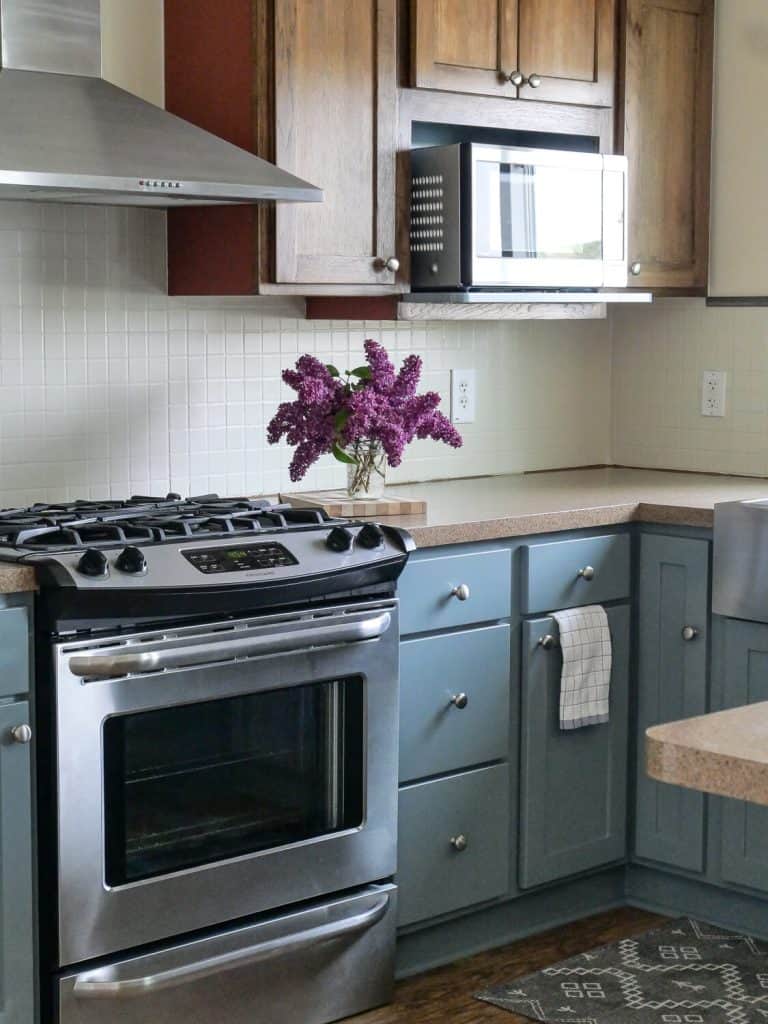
{"x": 339, "y": 539}
{"x": 370, "y": 536}
{"x": 131, "y": 559}
{"x": 93, "y": 563}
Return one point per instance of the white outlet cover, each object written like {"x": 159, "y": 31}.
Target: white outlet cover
{"x": 713, "y": 386}
{"x": 463, "y": 397}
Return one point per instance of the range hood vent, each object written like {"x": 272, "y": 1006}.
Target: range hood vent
{"x": 67, "y": 135}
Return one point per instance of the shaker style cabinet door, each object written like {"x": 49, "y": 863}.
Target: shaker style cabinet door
{"x": 672, "y": 684}
{"x": 573, "y": 800}
{"x": 17, "y": 975}
{"x": 335, "y": 123}
{"x": 667, "y": 129}
{"x": 560, "y": 51}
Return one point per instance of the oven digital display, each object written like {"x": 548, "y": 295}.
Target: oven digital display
{"x": 254, "y": 556}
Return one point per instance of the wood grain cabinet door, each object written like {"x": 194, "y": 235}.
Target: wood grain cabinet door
{"x": 567, "y": 51}
{"x": 465, "y": 47}
{"x": 667, "y": 132}
{"x": 336, "y": 116}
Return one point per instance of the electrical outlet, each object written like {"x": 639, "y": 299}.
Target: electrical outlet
{"x": 713, "y": 393}
{"x": 463, "y": 396}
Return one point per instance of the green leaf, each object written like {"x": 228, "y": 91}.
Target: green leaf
{"x": 364, "y": 372}
{"x": 332, "y": 370}
{"x": 341, "y": 418}
{"x": 342, "y": 456}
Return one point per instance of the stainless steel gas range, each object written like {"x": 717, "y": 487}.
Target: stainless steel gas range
{"x": 217, "y": 705}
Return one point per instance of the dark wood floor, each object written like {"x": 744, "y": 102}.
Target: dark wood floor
{"x": 445, "y": 995}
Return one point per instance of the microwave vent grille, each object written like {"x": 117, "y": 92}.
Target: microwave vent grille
{"x": 427, "y": 213}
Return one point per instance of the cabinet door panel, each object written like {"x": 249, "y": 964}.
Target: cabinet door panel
{"x": 672, "y": 684}
{"x": 570, "y": 44}
{"x": 573, "y": 787}
{"x": 744, "y": 836}
{"x": 667, "y": 132}
{"x": 463, "y": 47}
{"x": 336, "y": 112}
{"x": 17, "y": 982}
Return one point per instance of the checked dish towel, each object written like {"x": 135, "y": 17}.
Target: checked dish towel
{"x": 585, "y": 684}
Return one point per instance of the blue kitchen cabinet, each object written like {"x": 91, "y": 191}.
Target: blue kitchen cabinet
{"x": 673, "y": 603}
{"x": 741, "y": 668}
{"x": 573, "y": 805}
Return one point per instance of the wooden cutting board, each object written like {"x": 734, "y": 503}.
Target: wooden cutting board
{"x": 339, "y": 505}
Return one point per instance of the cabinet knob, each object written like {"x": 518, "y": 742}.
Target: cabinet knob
{"x": 21, "y": 734}
{"x": 586, "y": 573}
{"x": 547, "y": 642}
{"x": 515, "y": 78}
{"x": 391, "y": 264}
{"x": 459, "y": 842}
{"x": 459, "y": 700}
{"x": 689, "y": 632}
{"x": 533, "y": 80}
{"x": 461, "y": 592}
{"x": 635, "y": 268}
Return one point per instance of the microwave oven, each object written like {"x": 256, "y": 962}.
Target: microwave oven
{"x": 492, "y": 217}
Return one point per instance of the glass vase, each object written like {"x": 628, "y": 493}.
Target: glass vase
{"x": 366, "y": 477}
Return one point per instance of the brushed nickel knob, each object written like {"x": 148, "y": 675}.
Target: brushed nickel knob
{"x": 534, "y": 81}
{"x": 586, "y": 573}
{"x": 461, "y": 592}
{"x": 689, "y": 632}
{"x": 515, "y": 78}
{"x": 21, "y": 734}
{"x": 547, "y": 642}
{"x": 391, "y": 264}
{"x": 459, "y": 842}
{"x": 635, "y": 268}
{"x": 459, "y": 700}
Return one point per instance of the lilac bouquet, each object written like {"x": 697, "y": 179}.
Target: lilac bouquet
{"x": 365, "y": 419}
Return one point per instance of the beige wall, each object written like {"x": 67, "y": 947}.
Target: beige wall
{"x": 132, "y": 47}
{"x": 739, "y": 239}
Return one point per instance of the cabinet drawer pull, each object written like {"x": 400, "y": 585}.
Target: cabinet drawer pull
{"x": 533, "y": 80}
{"x": 689, "y": 632}
{"x": 547, "y": 642}
{"x": 586, "y": 573}
{"x": 21, "y": 734}
{"x": 516, "y": 78}
{"x": 392, "y": 264}
{"x": 459, "y": 842}
{"x": 635, "y": 268}
{"x": 459, "y": 700}
{"x": 461, "y": 592}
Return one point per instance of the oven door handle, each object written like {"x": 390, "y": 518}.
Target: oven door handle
{"x": 118, "y": 982}
{"x": 111, "y": 666}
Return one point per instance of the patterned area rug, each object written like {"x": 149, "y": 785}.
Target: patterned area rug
{"x": 682, "y": 973}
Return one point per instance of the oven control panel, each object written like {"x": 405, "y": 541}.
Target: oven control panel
{"x": 240, "y": 559}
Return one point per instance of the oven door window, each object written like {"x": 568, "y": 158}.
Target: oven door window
{"x": 534, "y": 212}
{"x": 199, "y": 783}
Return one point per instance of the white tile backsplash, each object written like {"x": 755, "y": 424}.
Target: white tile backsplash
{"x": 110, "y": 387}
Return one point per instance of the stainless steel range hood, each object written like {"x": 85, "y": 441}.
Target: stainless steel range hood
{"x": 67, "y": 135}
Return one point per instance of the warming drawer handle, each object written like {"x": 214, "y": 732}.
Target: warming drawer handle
{"x": 106, "y": 982}
{"x": 112, "y": 666}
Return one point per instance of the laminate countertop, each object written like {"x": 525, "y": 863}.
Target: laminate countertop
{"x": 489, "y": 508}
{"x": 725, "y": 753}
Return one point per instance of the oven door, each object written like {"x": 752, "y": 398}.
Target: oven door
{"x": 211, "y": 772}
{"x": 547, "y": 219}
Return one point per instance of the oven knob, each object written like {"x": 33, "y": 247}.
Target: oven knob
{"x": 370, "y": 536}
{"x": 93, "y": 563}
{"x": 131, "y": 559}
{"x": 339, "y": 539}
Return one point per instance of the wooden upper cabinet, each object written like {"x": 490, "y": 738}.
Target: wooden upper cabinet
{"x": 667, "y": 118}
{"x": 561, "y": 51}
{"x": 312, "y": 86}
{"x": 336, "y": 121}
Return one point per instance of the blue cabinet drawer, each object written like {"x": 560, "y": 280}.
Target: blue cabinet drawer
{"x": 454, "y": 701}
{"x": 453, "y": 843}
{"x": 568, "y": 573}
{"x": 431, "y": 590}
{"x": 14, "y": 651}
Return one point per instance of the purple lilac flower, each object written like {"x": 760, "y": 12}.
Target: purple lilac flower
{"x": 329, "y": 414}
